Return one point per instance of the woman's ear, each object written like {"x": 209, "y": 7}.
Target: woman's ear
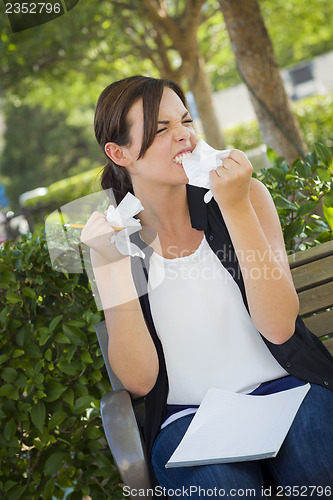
{"x": 117, "y": 154}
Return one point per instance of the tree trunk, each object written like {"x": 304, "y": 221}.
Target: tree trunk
{"x": 199, "y": 84}
{"x": 258, "y": 66}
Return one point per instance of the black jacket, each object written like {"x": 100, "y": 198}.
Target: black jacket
{"x": 303, "y": 355}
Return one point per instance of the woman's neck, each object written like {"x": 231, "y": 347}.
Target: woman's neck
{"x": 165, "y": 210}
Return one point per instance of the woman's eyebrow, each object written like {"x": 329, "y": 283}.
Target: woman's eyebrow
{"x": 165, "y": 122}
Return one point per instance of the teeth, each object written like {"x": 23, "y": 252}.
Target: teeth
{"x": 179, "y": 159}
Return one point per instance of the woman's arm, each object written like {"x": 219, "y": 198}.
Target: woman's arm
{"x": 255, "y": 230}
{"x": 132, "y": 353}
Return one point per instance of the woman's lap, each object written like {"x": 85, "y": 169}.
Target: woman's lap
{"x": 305, "y": 458}
{"x": 226, "y": 476}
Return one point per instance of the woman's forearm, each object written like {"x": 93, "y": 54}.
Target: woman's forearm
{"x": 132, "y": 353}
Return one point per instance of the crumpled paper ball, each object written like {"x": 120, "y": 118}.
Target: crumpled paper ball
{"x": 122, "y": 218}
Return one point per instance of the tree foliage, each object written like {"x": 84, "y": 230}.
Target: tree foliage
{"x": 40, "y": 147}
{"x": 308, "y": 32}
{"x": 63, "y": 65}
{"x": 108, "y": 37}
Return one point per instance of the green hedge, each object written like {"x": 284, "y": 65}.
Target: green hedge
{"x": 68, "y": 189}
{"x": 52, "y": 379}
{"x": 303, "y": 196}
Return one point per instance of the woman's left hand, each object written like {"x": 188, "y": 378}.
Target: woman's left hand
{"x": 230, "y": 183}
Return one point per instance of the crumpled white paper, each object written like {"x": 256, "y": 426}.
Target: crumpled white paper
{"x": 123, "y": 217}
{"x": 203, "y": 159}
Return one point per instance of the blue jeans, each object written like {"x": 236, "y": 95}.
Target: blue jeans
{"x": 303, "y": 467}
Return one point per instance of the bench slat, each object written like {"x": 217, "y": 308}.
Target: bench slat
{"x": 313, "y": 273}
{"x": 311, "y": 254}
{"x": 321, "y": 323}
{"x": 315, "y": 299}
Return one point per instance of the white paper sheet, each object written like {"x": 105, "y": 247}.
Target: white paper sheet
{"x": 230, "y": 427}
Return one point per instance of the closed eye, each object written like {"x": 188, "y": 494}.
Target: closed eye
{"x": 165, "y": 128}
{"x": 161, "y": 130}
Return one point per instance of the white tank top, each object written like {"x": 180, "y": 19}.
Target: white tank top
{"x": 208, "y": 337}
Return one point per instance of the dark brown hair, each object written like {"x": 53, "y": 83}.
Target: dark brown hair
{"x": 112, "y": 125}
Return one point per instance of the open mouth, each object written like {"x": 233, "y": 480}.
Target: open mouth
{"x": 180, "y": 157}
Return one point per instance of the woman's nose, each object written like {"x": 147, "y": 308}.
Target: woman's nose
{"x": 181, "y": 133}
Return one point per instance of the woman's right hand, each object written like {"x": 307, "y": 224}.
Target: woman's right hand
{"x": 97, "y": 233}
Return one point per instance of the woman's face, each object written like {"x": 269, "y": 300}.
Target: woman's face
{"x": 175, "y": 136}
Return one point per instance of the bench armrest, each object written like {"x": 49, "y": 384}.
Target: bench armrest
{"x": 124, "y": 439}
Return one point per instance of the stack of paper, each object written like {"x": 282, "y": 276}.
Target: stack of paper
{"x": 230, "y": 427}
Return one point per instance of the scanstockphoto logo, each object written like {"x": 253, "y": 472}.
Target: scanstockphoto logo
{"x": 24, "y": 15}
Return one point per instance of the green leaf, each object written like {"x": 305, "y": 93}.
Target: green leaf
{"x": 49, "y": 488}
{"x": 68, "y": 396}
{"x": 94, "y": 433}
{"x": 324, "y": 174}
{"x": 17, "y": 353}
{"x": 55, "y": 322}
{"x": 16, "y": 492}
{"x": 328, "y": 214}
{"x": 44, "y": 335}
{"x": 324, "y": 153}
{"x": 55, "y": 462}
{"x": 328, "y": 199}
{"x": 28, "y": 292}
{"x": 307, "y": 207}
{"x": 302, "y": 169}
{"x": 38, "y": 414}
{"x": 292, "y": 230}
{"x": 281, "y": 202}
{"x": 74, "y": 368}
{"x": 82, "y": 404}
{"x": 48, "y": 355}
{"x": 9, "y": 374}
{"x": 70, "y": 352}
{"x": 6, "y": 389}
{"x": 9, "y": 484}
{"x": 74, "y": 334}
{"x": 9, "y": 429}
{"x": 13, "y": 298}
{"x": 3, "y": 358}
{"x": 57, "y": 418}
{"x": 32, "y": 351}
{"x": 8, "y": 276}
{"x": 277, "y": 173}
{"x": 54, "y": 390}
{"x": 62, "y": 339}
{"x": 271, "y": 155}
{"x": 325, "y": 236}
{"x": 86, "y": 358}
{"x": 3, "y": 315}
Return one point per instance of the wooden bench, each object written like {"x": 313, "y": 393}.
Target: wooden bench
{"x": 312, "y": 272}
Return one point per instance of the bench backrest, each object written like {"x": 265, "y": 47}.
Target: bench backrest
{"x": 312, "y": 272}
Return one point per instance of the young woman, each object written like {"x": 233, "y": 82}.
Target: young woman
{"x": 226, "y": 279}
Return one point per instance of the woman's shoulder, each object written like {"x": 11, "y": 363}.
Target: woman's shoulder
{"x": 259, "y": 194}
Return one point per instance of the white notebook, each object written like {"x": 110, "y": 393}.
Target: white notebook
{"x": 230, "y": 427}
